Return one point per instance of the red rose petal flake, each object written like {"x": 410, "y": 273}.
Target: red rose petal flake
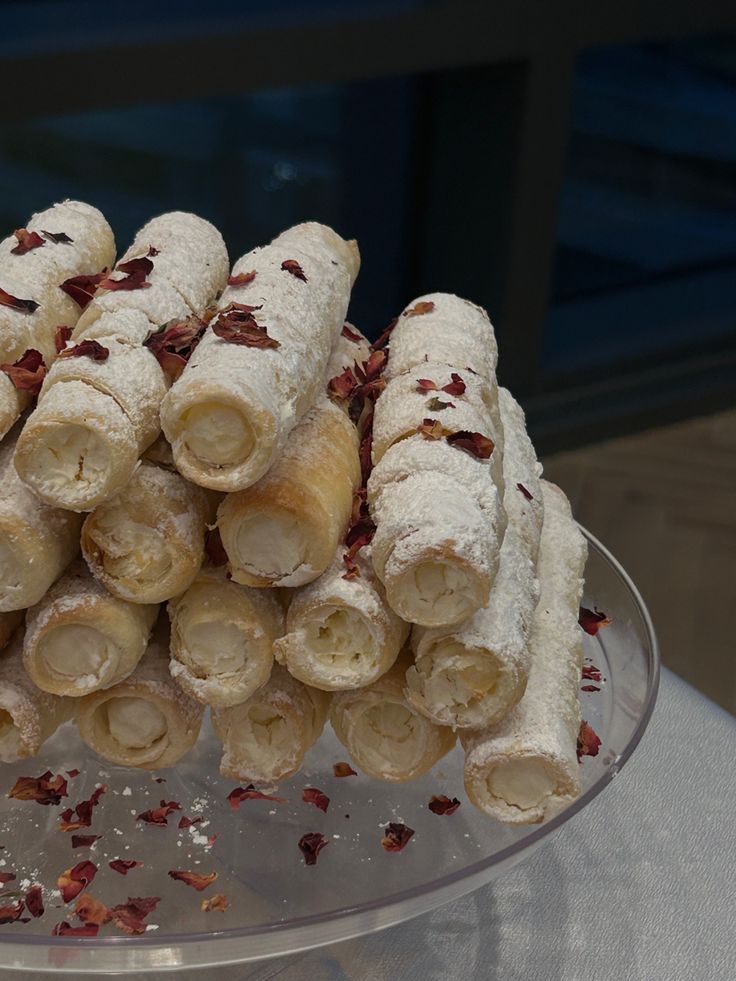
{"x": 310, "y": 845}
{"x": 124, "y": 865}
{"x": 385, "y": 336}
{"x": 34, "y": 901}
{"x": 74, "y": 880}
{"x": 426, "y": 385}
{"x": 293, "y": 267}
{"x": 134, "y": 278}
{"x": 6, "y": 877}
{"x": 81, "y": 815}
{"x": 396, "y": 836}
{"x": 455, "y": 387}
{"x": 592, "y": 673}
{"x": 217, "y": 902}
{"x": 185, "y": 822}
{"x": 28, "y": 372}
{"x": 84, "y": 841}
{"x": 437, "y": 405}
{"x": 24, "y": 306}
{"x": 342, "y": 386}
{"x": 241, "y": 279}
{"x": 159, "y": 779}
{"x": 424, "y": 306}
{"x": 352, "y": 335}
{"x": 214, "y": 549}
{"x": 589, "y": 688}
{"x": 371, "y": 369}
{"x": 82, "y": 288}
{"x": 9, "y": 914}
{"x": 237, "y": 325}
{"x": 592, "y": 620}
{"x": 197, "y": 880}
{"x": 58, "y": 238}
{"x": 343, "y": 769}
{"x": 173, "y": 343}
{"x": 26, "y": 241}
{"x": 588, "y": 741}
{"x": 129, "y": 916}
{"x": 525, "y": 492}
{"x": 46, "y": 789}
{"x": 72, "y": 773}
{"x": 158, "y": 815}
{"x": 476, "y": 444}
{"x": 61, "y": 336}
{"x": 65, "y": 929}
{"x": 441, "y": 804}
{"x": 87, "y": 349}
{"x": 311, "y": 795}
{"x": 91, "y": 910}
{"x": 237, "y": 796}
{"x": 433, "y": 429}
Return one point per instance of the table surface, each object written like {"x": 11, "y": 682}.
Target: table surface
{"x": 641, "y": 885}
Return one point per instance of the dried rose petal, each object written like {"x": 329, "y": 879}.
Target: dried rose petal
{"x": 61, "y": 336}
{"x": 196, "y": 880}
{"x": 74, "y": 880}
{"x": 342, "y": 386}
{"x": 158, "y": 815}
{"x": 91, "y": 910}
{"x": 592, "y": 673}
{"x": 45, "y": 789}
{"x": 25, "y": 306}
{"x": 219, "y": 902}
{"x": 592, "y": 620}
{"x": 58, "y": 238}
{"x": 84, "y": 841}
{"x": 173, "y": 343}
{"x": 6, "y": 877}
{"x": 455, "y": 387}
{"x": 72, "y": 773}
{"x": 82, "y": 288}
{"x": 9, "y": 914}
{"x": 433, "y": 429}
{"x": 366, "y": 458}
{"x": 310, "y": 795}
{"x": 159, "y": 779}
{"x": 241, "y": 279}
{"x": 310, "y": 845}
{"x": 26, "y": 241}
{"x": 185, "y": 822}
{"x": 83, "y": 811}
{"x": 28, "y": 372}
{"x": 343, "y": 769}
{"x": 34, "y": 901}
{"x": 384, "y": 337}
{"x": 441, "y": 804}
{"x": 124, "y": 865}
{"x": 237, "y": 325}
{"x": 293, "y": 267}
{"x": 371, "y": 369}
{"x": 396, "y": 836}
{"x": 87, "y": 349}
{"x": 214, "y": 549}
{"x": 426, "y": 385}
{"x": 129, "y": 916}
{"x": 589, "y": 688}
{"x": 437, "y": 405}
{"x": 525, "y": 492}
{"x": 67, "y": 930}
{"x": 588, "y": 741}
{"x": 351, "y": 335}
{"x": 476, "y": 444}
{"x": 237, "y": 796}
{"x": 425, "y": 306}
{"x": 135, "y": 271}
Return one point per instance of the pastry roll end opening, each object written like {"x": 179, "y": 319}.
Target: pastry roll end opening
{"x": 218, "y": 434}
{"x": 12, "y": 747}
{"x": 340, "y": 647}
{"x": 268, "y": 549}
{"x": 127, "y": 550}
{"x": 439, "y": 590}
{"x": 261, "y": 733}
{"x": 74, "y": 654}
{"x": 131, "y": 729}
{"x": 389, "y": 729}
{"x": 522, "y": 788}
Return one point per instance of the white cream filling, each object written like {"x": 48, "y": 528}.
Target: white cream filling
{"x": 70, "y": 460}
{"x": 260, "y": 733}
{"x": 452, "y": 677}
{"x": 437, "y": 591}
{"x": 211, "y": 647}
{"x": 217, "y": 434}
{"x": 135, "y": 723}
{"x": 130, "y": 549}
{"x": 12, "y": 567}
{"x": 339, "y": 642}
{"x": 269, "y": 546}
{"x": 388, "y": 736}
{"x": 76, "y": 650}
{"x": 11, "y": 745}
{"x": 523, "y": 783}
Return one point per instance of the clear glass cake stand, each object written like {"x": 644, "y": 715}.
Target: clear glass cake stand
{"x": 277, "y": 904}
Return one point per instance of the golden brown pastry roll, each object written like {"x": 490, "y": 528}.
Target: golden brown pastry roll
{"x": 9, "y": 622}
{"x": 28, "y": 716}
{"x": 341, "y": 633}
{"x": 385, "y": 736}
{"x": 146, "y": 720}
{"x": 80, "y": 639}
{"x": 222, "y": 637}
{"x": 266, "y": 738}
{"x": 284, "y": 530}
{"x": 146, "y": 544}
{"x": 37, "y": 542}
{"x": 262, "y": 361}
{"x": 525, "y": 768}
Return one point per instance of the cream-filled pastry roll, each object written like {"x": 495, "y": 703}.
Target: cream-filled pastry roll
{"x": 266, "y": 738}
{"x": 222, "y": 637}
{"x": 80, "y": 639}
{"x": 28, "y": 716}
{"x": 525, "y": 768}
{"x": 9, "y": 623}
{"x": 146, "y": 720}
{"x": 146, "y": 544}
{"x": 341, "y": 633}
{"x": 262, "y": 362}
{"x": 385, "y": 736}
{"x": 284, "y": 530}
{"x": 99, "y": 408}
{"x": 37, "y": 542}
{"x": 69, "y": 239}
{"x": 472, "y": 675}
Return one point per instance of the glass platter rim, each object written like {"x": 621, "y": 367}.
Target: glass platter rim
{"x": 435, "y": 887}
